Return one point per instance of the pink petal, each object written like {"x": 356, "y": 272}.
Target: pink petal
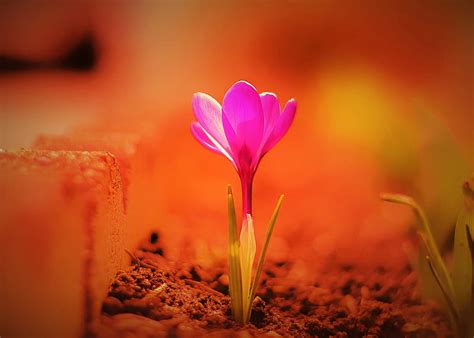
{"x": 281, "y": 125}
{"x": 234, "y": 140}
{"x": 208, "y": 141}
{"x": 208, "y": 112}
{"x": 240, "y": 153}
{"x": 243, "y": 113}
{"x": 200, "y": 135}
{"x": 271, "y": 112}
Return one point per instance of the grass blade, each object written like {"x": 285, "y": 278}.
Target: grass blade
{"x": 470, "y": 222}
{"x": 235, "y": 281}
{"x": 453, "y": 314}
{"x": 462, "y": 266}
{"x": 261, "y": 259}
{"x": 436, "y": 260}
{"x": 469, "y": 204}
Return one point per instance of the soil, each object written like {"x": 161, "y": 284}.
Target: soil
{"x": 157, "y": 297}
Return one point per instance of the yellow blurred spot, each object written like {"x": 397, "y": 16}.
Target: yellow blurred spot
{"x": 358, "y": 107}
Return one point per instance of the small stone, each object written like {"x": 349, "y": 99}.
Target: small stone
{"x": 270, "y": 334}
{"x": 316, "y": 294}
{"x": 279, "y": 288}
{"x": 112, "y": 305}
{"x": 218, "y": 334}
{"x": 185, "y": 328}
{"x": 224, "y": 279}
{"x": 410, "y": 327}
{"x": 199, "y": 274}
{"x": 215, "y": 318}
{"x": 350, "y": 303}
{"x": 365, "y": 292}
{"x": 244, "y": 334}
{"x": 135, "y": 305}
{"x": 130, "y": 322}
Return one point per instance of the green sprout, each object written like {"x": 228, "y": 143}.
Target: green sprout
{"x": 456, "y": 286}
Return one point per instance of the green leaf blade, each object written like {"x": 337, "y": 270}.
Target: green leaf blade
{"x": 235, "y": 279}
{"x": 427, "y": 237}
{"x": 452, "y": 311}
{"x": 261, "y": 259}
{"x": 462, "y": 265}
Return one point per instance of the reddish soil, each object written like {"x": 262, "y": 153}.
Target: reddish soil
{"x": 160, "y": 298}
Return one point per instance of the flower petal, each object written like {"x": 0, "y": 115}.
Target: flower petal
{"x": 208, "y": 112}
{"x": 200, "y": 135}
{"x": 243, "y": 110}
{"x": 208, "y": 141}
{"x": 240, "y": 153}
{"x": 281, "y": 125}
{"x": 271, "y": 112}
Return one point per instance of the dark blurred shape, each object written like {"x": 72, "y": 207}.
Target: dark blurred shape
{"x": 82, "y": 57}
{"x": 9, "y": 64}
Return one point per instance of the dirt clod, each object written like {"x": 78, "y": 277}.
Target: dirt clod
{"x": 157, "y": 297}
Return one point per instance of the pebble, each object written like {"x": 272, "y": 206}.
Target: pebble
{"x": 134, "y": 324}
{"x": 365, "y": 292}
{"x": 224, "y": 279}
{"x": 135, "y": 305}
{"x": 316, "y": 293}
{"x": 280, "y": 288}
{"x": 112, "y": 305}
{"x": 244, "y": 334}
{"x": 185, "y": 328}
{"x": 270, "y": 334}
{"x": 350, "y": 303}
{"x": 203, "y": 274}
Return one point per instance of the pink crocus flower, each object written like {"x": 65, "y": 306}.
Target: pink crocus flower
{"x": 244, "y": 129}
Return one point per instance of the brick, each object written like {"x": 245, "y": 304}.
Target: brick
{"x": 137, "y": 159}
{"x": 63, "y": 238}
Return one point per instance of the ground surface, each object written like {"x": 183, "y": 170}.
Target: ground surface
{"x": 160, "y": 298}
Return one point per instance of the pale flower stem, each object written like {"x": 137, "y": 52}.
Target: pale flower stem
{"x": 247, "y": 256}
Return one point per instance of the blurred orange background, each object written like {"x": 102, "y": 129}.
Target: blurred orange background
{"x": 384, "y": 93}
